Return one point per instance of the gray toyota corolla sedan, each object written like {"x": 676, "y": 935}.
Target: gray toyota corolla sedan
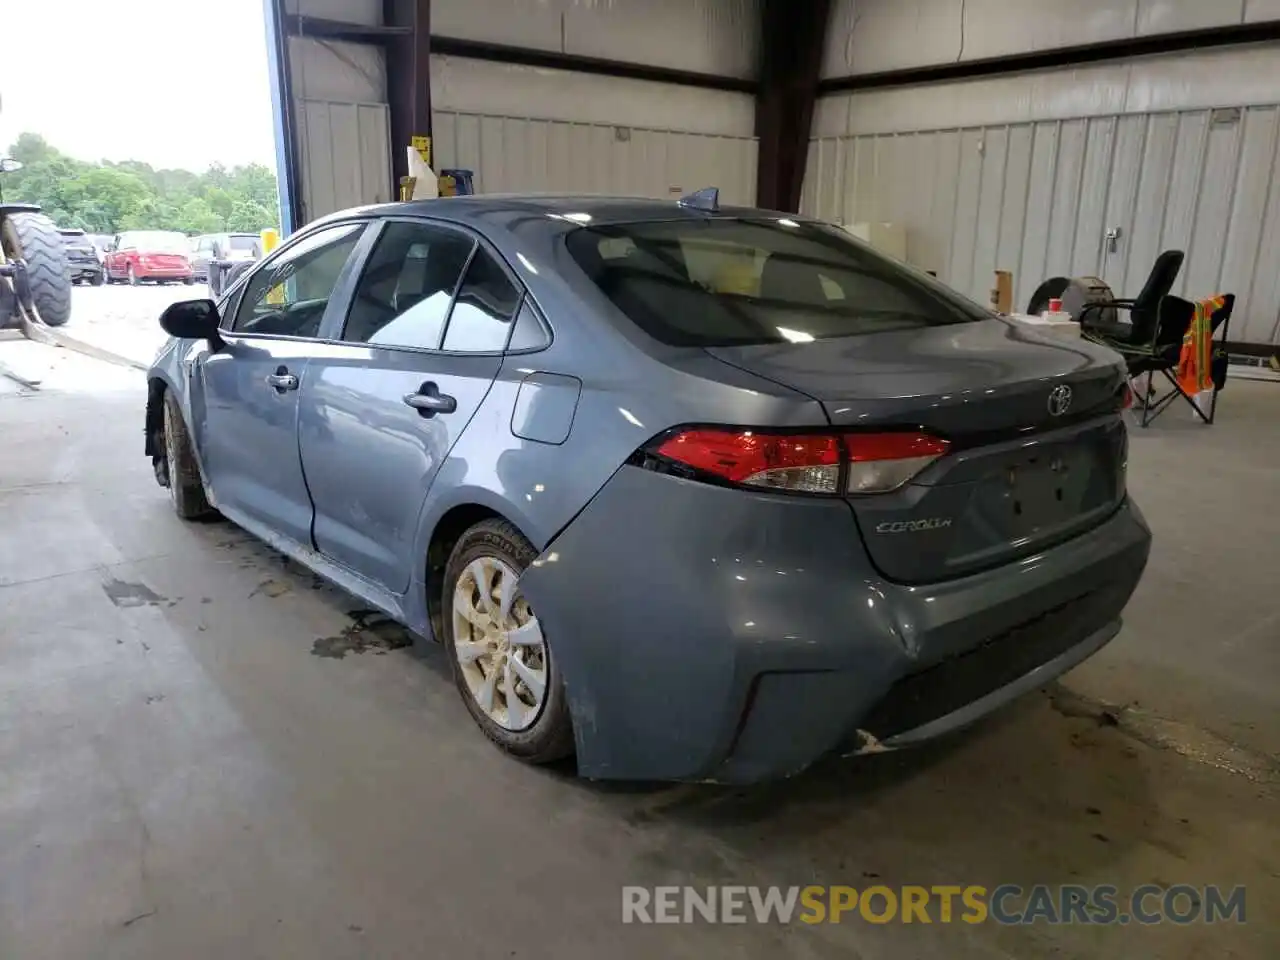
{"x": 692, "y": 492}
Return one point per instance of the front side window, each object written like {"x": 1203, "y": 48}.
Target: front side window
{"x": 289, "y": 296}
{"x": 404, "y": 293}
{"x": 722, "y": 282}
{"x": 486, "y": 302}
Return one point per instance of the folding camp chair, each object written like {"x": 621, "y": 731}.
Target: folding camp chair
{"x": 1161, "y": 354}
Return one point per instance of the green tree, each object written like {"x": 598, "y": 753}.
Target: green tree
{"x": 110, "y": 197}
{"x": 196, "y": 216}
{"x": 250, "y": 217}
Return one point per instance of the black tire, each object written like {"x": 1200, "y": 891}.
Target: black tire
{"x": 132, "y": 276}
{"x": 189, "y": 281}
{"x": 186, "y": 489}
{"x": 550, "y": 737}
{"x": 97, "y": 279}
{"x": 35, "y": 238}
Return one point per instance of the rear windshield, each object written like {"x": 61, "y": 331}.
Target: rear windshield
{"x": 245, "y": 243}
{"x": 155, "y": 241}
{"x": 716, "y": 282}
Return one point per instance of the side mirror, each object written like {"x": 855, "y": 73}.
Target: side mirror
{"x": 193, "y": 320}
{"x": 10, "y": 165}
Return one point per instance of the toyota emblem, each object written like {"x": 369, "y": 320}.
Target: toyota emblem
{"x": 1059, "y": 400}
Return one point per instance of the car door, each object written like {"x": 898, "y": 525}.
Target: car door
{"x": 380, "y": 410}
{"x": 111, "y": 261}
{"x": 200, "y": 258}
{"x": 247, "y": 430}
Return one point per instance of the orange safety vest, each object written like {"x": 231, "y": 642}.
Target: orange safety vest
{"x": 1195, "y": 372}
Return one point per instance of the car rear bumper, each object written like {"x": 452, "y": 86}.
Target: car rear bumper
{"x": 143, "y": 272}
{"x": 713, "y": 634}
{"x": 80, "y": 269}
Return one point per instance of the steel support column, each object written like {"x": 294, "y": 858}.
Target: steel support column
{"x": 288, "y": 171}
{"x": 792, "y": 36}
{"x": 408, "y": 78}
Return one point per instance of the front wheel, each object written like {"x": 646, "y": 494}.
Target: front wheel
{"x": 97, "y": 279}
{"x": 181, "y": 473}
{"x": 502, "y": 663}
{"x": 133, "y": 277}
{"x": 189, "y": 281}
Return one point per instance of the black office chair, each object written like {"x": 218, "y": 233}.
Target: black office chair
{"x": 1143, "y": 310}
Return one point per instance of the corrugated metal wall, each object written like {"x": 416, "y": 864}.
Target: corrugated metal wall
{"x": 1038, "y": 199}
{"x": 344, "y": 155}
{"x": 526, "y": 129}
{"x": 342, "y": 122}
{"x": 523, "y": 154}
{"x": 867, "y": 36}
{"x": 708, "y": 36}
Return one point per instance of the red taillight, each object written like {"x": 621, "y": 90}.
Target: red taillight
{"x": 809, "y": 462}
{"x": 804, "y": 462}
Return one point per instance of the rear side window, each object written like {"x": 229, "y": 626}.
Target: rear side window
{"x": 487, "y": 300}
{"x": 403, "y": 295}
{"x": 721, "y": 282}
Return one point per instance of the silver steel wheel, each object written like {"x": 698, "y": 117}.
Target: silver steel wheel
{"x": 499, "y": 644}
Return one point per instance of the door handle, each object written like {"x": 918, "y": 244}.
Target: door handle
{"x": 282, "y": 380}
{"x": 429, "y": 401}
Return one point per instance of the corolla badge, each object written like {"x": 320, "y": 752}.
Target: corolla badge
{"x": 1059, "y": 400}
{"x": 913, "y": 526}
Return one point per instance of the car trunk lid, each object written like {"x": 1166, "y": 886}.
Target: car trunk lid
{"x": 1036, "y": 449}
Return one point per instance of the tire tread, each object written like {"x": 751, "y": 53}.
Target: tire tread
{"x": 186, "y": 487}
{"x": 47, "y": 269}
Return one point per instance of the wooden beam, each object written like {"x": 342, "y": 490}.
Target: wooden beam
{"x": 792, "y": 39}
{"x": 1186, "y": 41}
{"x": 408, "y": 78}
{"x": 554, "y": 60}
{"x": 320, "y": 28}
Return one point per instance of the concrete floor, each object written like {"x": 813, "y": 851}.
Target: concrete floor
{"x": 182, "y": 776}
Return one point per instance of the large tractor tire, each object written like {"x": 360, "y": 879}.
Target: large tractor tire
{"x": 34, "y": 238}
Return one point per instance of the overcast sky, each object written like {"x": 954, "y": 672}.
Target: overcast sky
{"x": 133, "y": 79}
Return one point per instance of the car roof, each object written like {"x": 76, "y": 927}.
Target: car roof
{"x": 510, "y": 209}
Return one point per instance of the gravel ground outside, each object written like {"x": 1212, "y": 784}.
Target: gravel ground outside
{"x": 125, "y": 320}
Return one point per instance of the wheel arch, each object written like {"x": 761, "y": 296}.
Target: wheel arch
{"x": 154, "y": 429}
{"x": 445, "y": 533}
{"x": 158, "y": 384}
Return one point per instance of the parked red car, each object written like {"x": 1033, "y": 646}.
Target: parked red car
{"x": 161, "y": 256}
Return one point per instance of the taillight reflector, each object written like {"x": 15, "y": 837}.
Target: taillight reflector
{"x": 805, "y": 462}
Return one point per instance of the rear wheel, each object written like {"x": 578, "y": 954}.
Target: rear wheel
{"x": 181, "y": 470}
{"x": 133, "y": 277}
{"x": 33, "y": 237}
{"x": 97, "y": 279}
{"x": 501, "y": 661}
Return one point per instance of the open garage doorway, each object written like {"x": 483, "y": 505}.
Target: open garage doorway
{"x": 144, "y": 132}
